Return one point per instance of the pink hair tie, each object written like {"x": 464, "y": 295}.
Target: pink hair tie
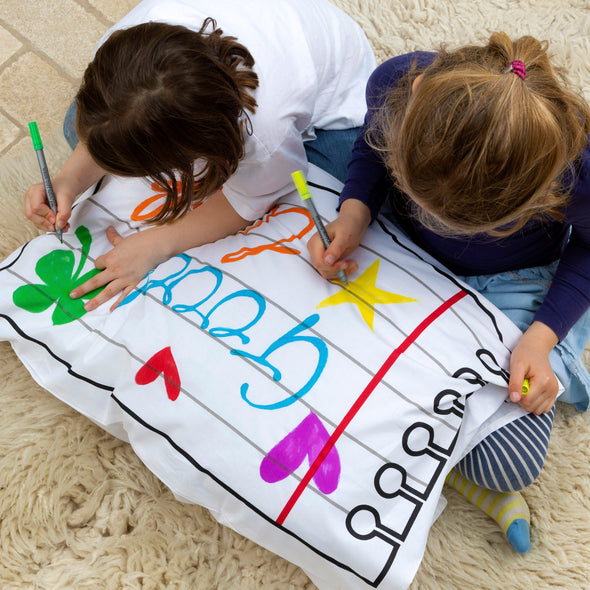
{"x": 518, "y": 68}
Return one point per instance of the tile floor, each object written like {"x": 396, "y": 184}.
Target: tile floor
{"x": 44, "y": 48}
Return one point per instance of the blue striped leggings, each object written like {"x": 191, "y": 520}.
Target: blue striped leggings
{"x": 510, "y": 458}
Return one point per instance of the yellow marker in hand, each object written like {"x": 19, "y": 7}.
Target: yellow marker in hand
{"x": 303, "y": 190}
{"x": 525, "y": 386}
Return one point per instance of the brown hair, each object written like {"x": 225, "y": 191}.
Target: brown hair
{"x": 157, "y": 98}
{"x": 476, "y": 147}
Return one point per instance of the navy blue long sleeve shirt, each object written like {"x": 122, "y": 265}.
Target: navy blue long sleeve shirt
{"x": 537, "y": 243}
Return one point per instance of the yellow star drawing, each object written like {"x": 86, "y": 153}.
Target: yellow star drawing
{"x": 365, "y": 294}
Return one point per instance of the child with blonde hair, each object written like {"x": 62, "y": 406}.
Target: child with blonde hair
{"x": 482, "y": 155}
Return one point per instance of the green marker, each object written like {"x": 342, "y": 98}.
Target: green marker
{"x": 38, "y": 145}
{"x": 303, "y": 190}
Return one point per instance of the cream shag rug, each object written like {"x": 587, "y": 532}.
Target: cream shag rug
{"x": 79, "y": 510}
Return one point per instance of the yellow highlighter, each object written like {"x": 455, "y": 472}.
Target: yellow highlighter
{"x": 303, "y": 190}
{"x": 525, "y": 386}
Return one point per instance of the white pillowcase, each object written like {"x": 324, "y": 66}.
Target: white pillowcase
{"x": 233, "y": 367}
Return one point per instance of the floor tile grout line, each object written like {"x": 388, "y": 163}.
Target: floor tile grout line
{"x": 95, "y": 12}
{"x": 32, "y": 48}
{"x": 20, "y": 133}
{"x": 24, "y": 48}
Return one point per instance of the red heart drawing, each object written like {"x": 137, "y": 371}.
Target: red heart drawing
{"x": 307, "y": 439}
{"x": 162, "y": 363}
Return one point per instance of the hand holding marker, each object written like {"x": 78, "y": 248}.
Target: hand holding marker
{"x": 38, "y": 145}
{"x": 303, "y": 190}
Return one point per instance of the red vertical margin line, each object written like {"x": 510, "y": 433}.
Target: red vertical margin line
{"x": 409, "y": 340}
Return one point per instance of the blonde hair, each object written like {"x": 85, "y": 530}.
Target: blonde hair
{"x": 476, "y": 147}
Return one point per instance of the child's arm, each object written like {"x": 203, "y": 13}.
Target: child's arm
{"x": 78, "y": 173}
{"x": 566, "y": 301}
{"x": 345, "y": 233}
{"x": 530, "y": 359}
{"x": 134, "y": 256}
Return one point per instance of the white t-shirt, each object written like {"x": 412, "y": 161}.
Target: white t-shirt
{"x": 313, "y": 62}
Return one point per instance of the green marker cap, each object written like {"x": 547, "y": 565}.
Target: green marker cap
{"x": 35, "y": 135}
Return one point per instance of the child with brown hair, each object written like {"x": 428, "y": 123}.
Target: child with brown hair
{"x": 482, "y": 155}
{"x": 230, "y": 113}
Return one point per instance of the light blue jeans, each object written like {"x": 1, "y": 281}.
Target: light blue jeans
{"x": 519, "y": 294}
{"x": 331, "y": 150}
{"x": 69, "y": 126}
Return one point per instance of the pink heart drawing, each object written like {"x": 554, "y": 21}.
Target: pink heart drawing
{"x": 306, "y": 440}
{"x": 162, "y": 363}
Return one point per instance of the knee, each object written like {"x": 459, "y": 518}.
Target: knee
{"x": 499, "y": 475}
{"x": 514, "y": 480}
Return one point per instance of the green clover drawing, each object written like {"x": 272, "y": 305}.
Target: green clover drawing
{"x": 55, "y": 270}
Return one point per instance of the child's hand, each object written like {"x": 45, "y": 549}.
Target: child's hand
{"x": 345, "y": 233}
{"x": 530, "y": 359}
{"x": 123, "y": 267}
{"x": 78, "y": 173}
{"x": 38, "y": 211}
{"x": 133, "y": 257}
